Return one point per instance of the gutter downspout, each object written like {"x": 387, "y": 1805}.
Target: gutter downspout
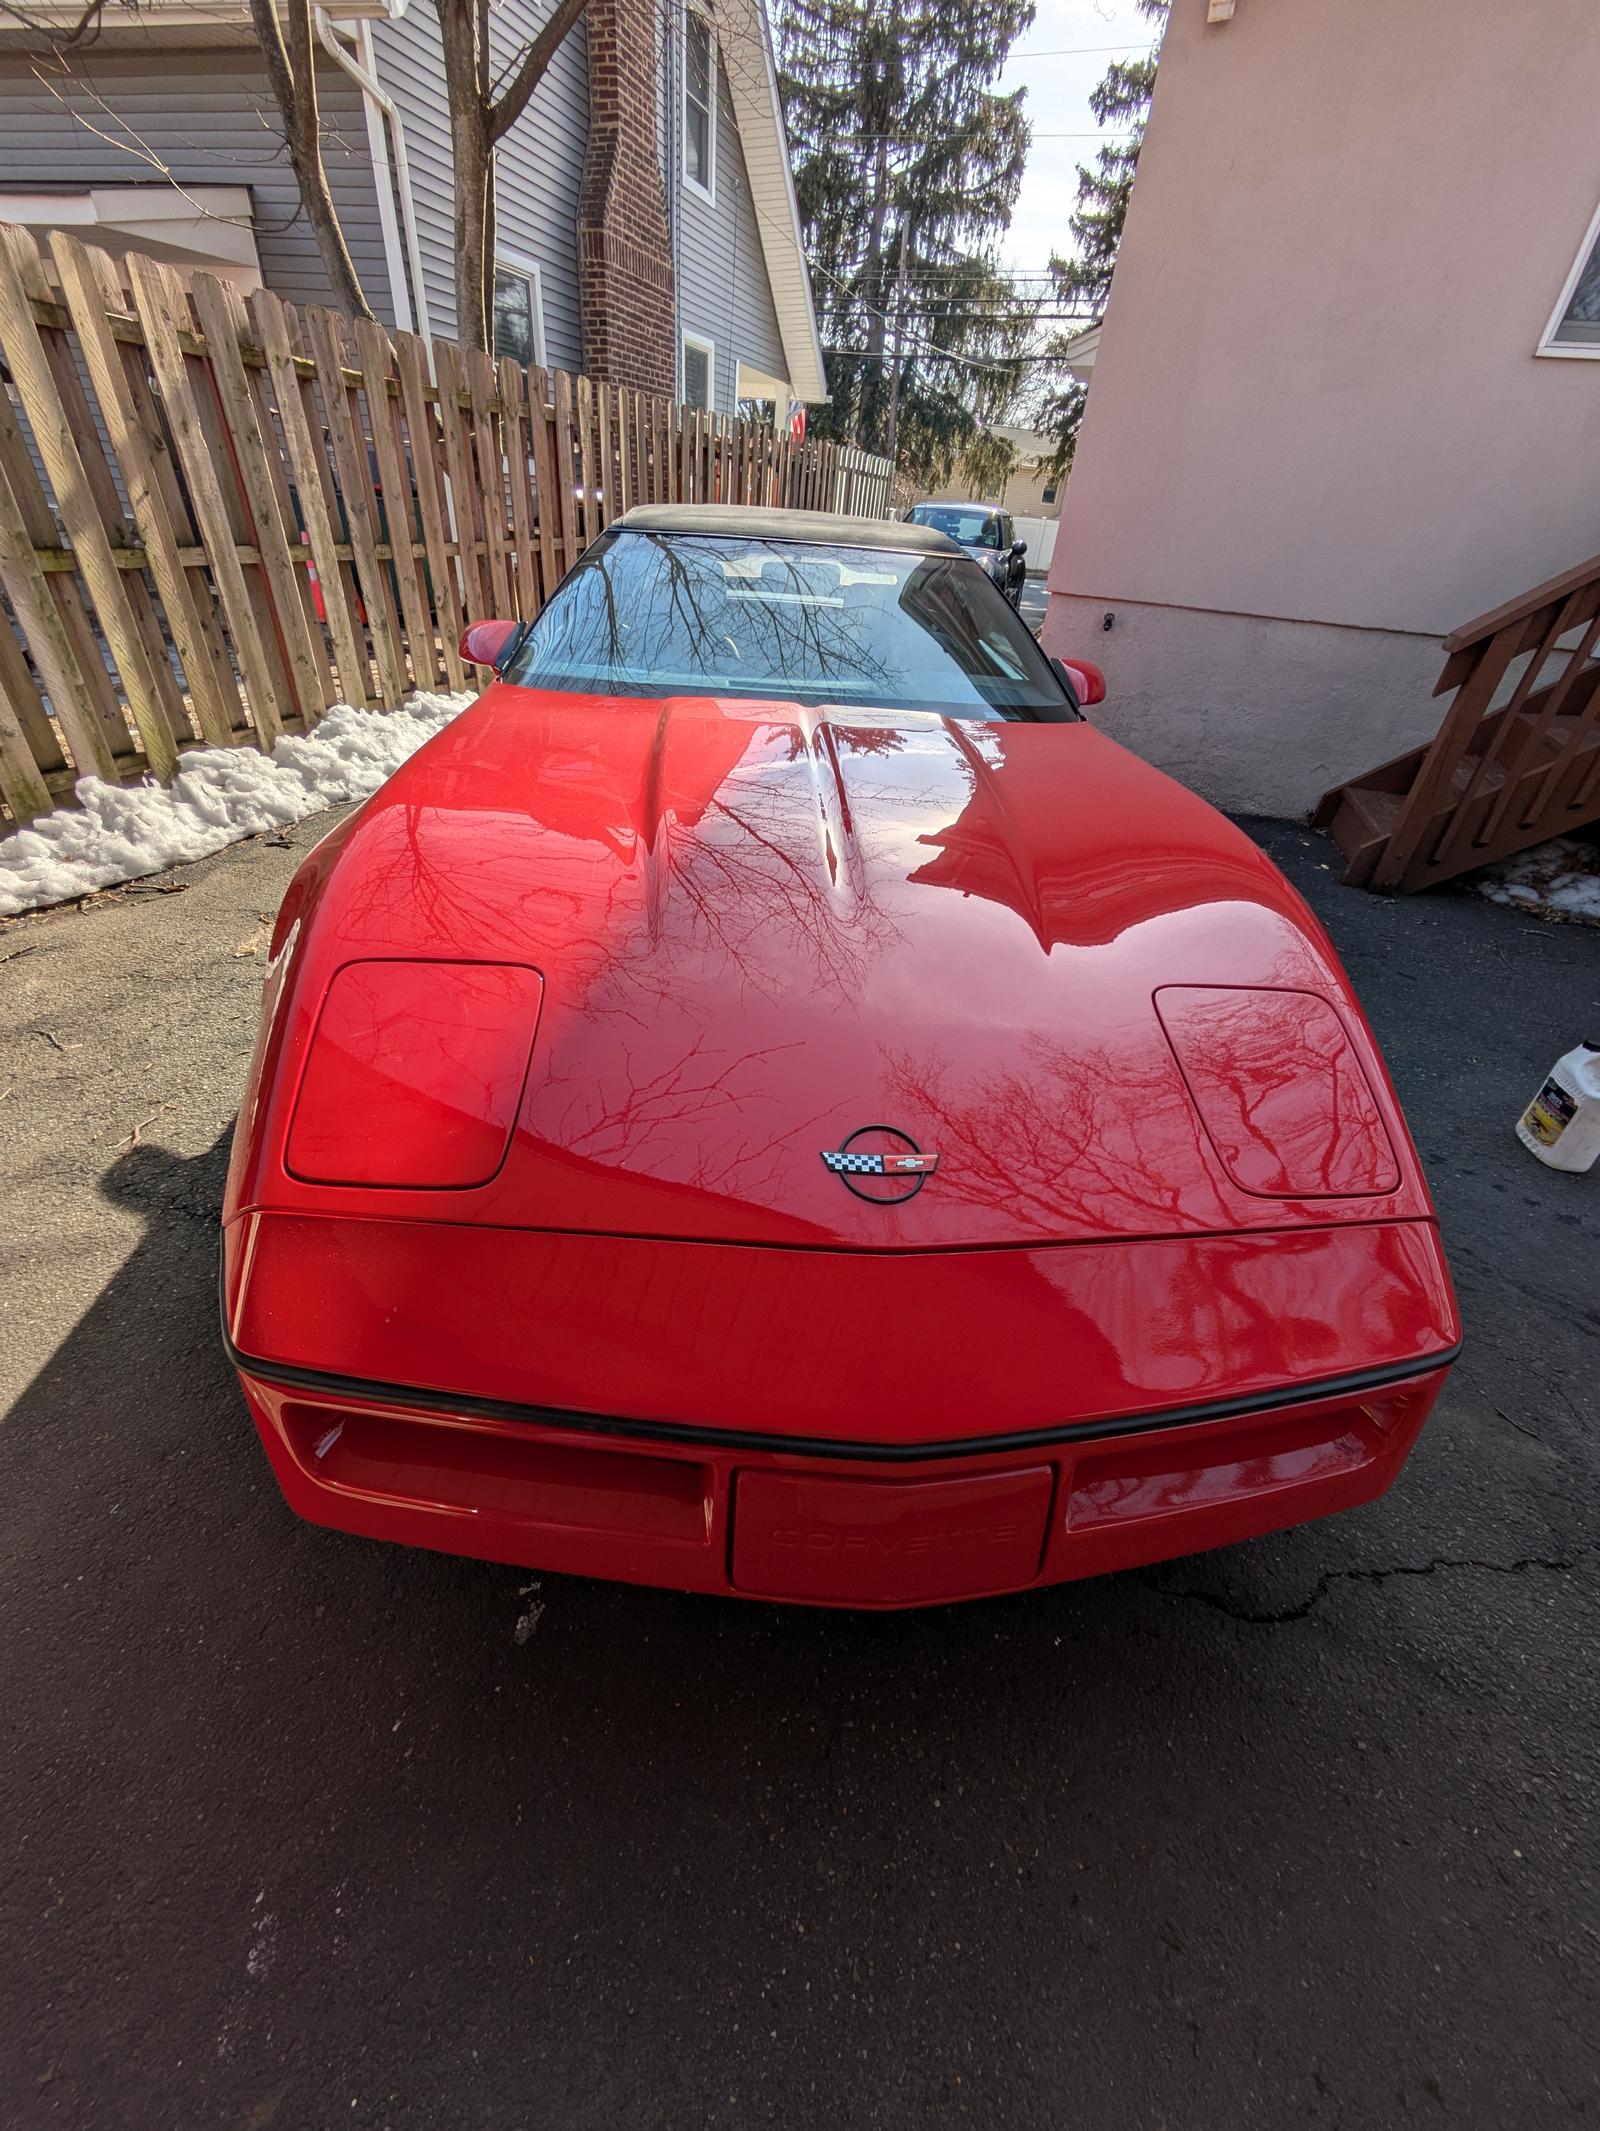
{"x": 672, "y": 178}
{"x": 363, "y": 72}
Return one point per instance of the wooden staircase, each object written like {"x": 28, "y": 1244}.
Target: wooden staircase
{"x": 1492, "y": 780}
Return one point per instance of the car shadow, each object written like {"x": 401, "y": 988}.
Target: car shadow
{"x": 299, "y": 1818}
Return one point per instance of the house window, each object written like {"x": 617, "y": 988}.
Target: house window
{"x": 518, "y": 313}
{"x": 699, "y": 105}
{"x": 763, "y": 411}
{"x": 1574, "y": 327}
{"x": 1049, "y": 495}
{"x": 699, "y": 371}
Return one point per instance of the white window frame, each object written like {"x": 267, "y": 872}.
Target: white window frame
{"x": 708, "y": 193}
{"x": 529, "y": 271}
{"x": 1582, "y": 351}
{"x": 709, "y": 349}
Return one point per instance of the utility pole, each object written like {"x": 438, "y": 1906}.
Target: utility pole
{"x": 894, "y": 370}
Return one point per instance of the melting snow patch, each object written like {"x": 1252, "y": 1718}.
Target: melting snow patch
{"x": 264, "y": 1950}
{"x": 1559, "y": 879}
{"x": 529, "y": 1621}
{"x": 118, "y": 832}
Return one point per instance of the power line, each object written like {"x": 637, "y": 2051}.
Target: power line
{"x": 1024, "y": 359}
{"x": 1074, "y": 51}
{"x": 941, "y": 140}
{"x": 977, "y": 315}
{"x": 952, "y": 281}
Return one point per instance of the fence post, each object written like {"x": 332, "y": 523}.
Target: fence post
{"x": 383, "y": 416}
{"x": 53, "y": 435}
{"x": 458, "y": 476}
{"x": 250, "y": 453}
{"x": 22, "y": 784}
{"x": 444, "y": 580}
{"x": 566, "y": 473}
{"x": 541, "y": 414}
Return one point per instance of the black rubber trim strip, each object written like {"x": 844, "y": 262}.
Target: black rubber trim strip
{"x": 802, "y": 1446}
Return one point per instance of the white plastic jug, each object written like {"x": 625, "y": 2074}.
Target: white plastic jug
{"x": 1562, "y": 1123}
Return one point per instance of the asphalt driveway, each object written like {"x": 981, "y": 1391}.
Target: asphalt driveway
{"x": 300, "y": 1830}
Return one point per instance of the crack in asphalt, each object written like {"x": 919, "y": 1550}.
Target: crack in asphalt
{"x": 1219, "y": 1603}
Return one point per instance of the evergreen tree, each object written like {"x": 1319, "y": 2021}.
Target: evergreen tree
{"x": 907, "y": 165}
{"x": 987, "y": 464}
{"x": 1083, "y": 279}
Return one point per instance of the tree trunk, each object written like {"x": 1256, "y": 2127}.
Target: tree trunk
{"x": 477, "y": 121}
{"x": 870, "y": 276}
{"x": 486, "y": 99}
{"x": 472, "y": 153}
{"x": 292, "y": 76}
{"x": 882, "y": 113}
{"x": 893, "y": 426}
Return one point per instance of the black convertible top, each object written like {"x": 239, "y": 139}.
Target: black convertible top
{"x": 812, "y": 528}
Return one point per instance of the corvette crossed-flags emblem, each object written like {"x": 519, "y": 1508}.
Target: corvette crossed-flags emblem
{"x": 880, "y": 1164}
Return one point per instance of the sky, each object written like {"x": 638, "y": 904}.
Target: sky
{"x": 1050, "y": 62}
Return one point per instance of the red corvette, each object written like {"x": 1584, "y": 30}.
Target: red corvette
{"x": 771, "y": 1101}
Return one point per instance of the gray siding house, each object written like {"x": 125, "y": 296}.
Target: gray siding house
{"x": 646, "y": 228}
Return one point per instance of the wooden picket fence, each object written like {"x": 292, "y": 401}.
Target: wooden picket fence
{"x": 218, "y": 516}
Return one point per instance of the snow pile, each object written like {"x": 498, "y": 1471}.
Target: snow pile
{"x": 1559, "y": 879}
{"x": 221, "y": 795}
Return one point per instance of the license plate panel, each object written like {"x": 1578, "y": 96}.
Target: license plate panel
{"x": 888, "y": 1542}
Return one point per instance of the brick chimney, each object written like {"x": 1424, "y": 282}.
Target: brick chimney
{"x": 624, "y": 243}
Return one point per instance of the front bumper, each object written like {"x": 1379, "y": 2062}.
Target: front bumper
{"x": 416, "y": 1382}
{"x": 825, "y": 1531}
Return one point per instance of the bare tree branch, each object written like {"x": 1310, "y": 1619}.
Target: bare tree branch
{"x": 509, "y": 106}
{"x": 133, "y": 144}
{"x": 52, "y": 32}
{"x": 292, "y": 78}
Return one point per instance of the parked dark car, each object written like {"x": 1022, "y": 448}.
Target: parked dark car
{"x": 987, "y": 533}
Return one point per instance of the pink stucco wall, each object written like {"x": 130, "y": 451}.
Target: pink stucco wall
{"x": 1317, "y": 399}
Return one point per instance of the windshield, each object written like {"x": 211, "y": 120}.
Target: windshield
{"x": 974, "y": 528}
{"x": 673, "y": 613}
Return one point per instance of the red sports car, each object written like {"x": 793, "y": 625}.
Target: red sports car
{"x": 771, "y": 1101}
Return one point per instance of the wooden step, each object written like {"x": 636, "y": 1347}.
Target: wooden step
{"x": 1360, "y": 823}
{"x": 1550, "y": 790}
{"x": 1499, "y": 783}
{"x": 1363, "y": 820}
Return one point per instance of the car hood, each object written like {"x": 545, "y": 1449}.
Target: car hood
{"x": 763, "y": 928}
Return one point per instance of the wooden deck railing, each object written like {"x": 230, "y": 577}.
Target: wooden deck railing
{"x": 1516, "y": 759}
{"x": 218, "y": 516}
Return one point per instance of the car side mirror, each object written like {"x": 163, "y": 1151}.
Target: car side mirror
{"x": 1084, "y": 681}
{"x": 1019, "y": 547}
{"x": 487, "y": 643}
